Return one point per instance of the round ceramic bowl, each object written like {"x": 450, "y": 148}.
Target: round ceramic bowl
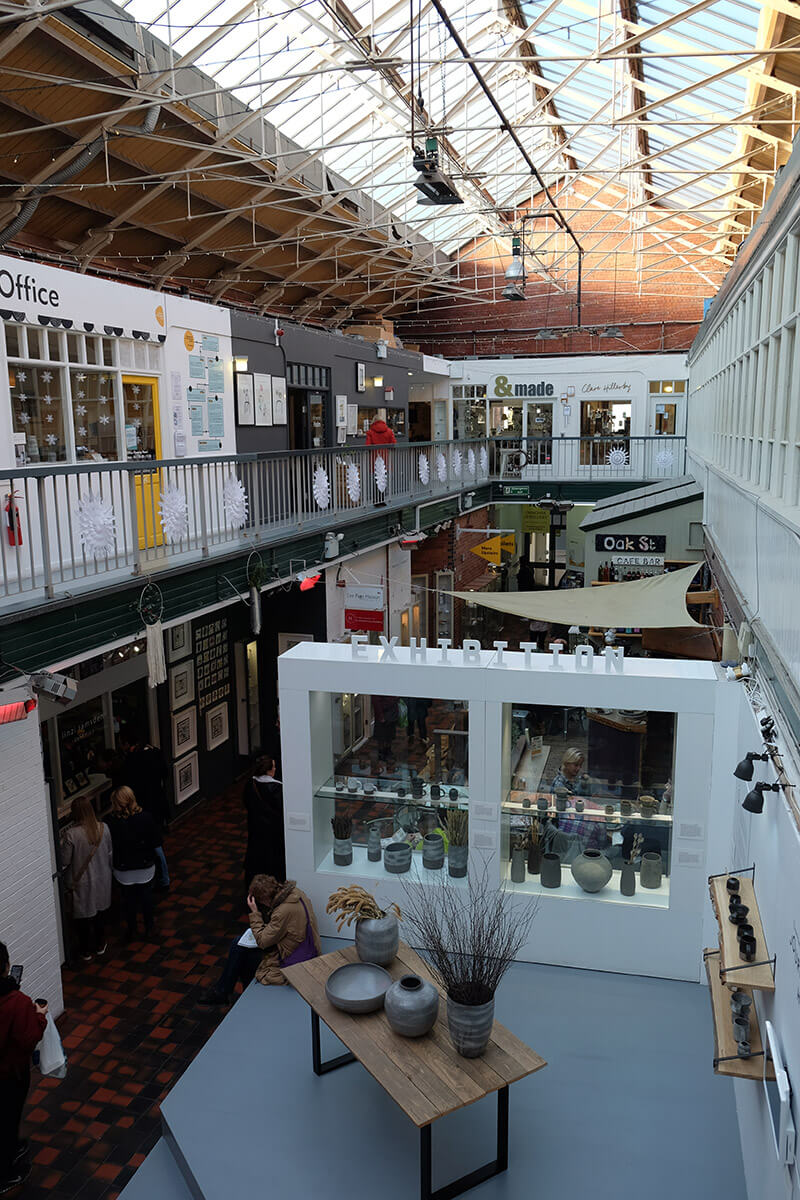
{"x": 358, "y": 987}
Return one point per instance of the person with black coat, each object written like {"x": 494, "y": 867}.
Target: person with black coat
{"x": 144, "y": 770}
{"x": 134, "y": 840}
{"x": 263, "y": 802}
{"x": 22, "y": 1023}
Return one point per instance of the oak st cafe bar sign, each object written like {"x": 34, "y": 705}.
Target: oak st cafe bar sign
{"x": 470, "y": 653}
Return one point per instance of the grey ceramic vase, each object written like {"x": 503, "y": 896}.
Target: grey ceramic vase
{"x": 627, "y": 879}
{"x": 550, "y": 871}
{"x": 534, "y": 859}
{"x": 417, "y": 789}
{"x": 470, "y": 1026}
{"x": 542, "y": 804}
{"x": 397, "y": 858}
{"x": 374, "y": 848}
{"x": 342, "y": 851}
{"x": 562, "y": 800}
{"x": 519, "y": 865}
{"x": 411, "y": 1005}
{"x": 433, "y": 852}
{"x": 457, "y": 857}
{"x": 591, "y": 870}
{"x": 651, "y": 870}
{"x": 378, "y": 939}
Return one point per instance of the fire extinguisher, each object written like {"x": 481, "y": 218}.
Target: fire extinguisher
{"x": 13, "y": 523}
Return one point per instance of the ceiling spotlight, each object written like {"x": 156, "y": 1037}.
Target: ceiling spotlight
{"x": 612, "y": 331}
{"x": 513, "y": 291}
{"x": 515, "y": 271}
{"x": 754, "y": 800}
{"x": 435, "y": 186}
{"x": 744, "y": 770}
{"x": 58, "y": 687}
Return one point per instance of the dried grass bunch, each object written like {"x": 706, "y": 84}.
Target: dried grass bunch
{"x": 355, "y": 903}
{"x": 456, "y": 826}
{"x": 469, "y": 939}
{"x": 342, "y": 826}
{"x": 636, "y": 847}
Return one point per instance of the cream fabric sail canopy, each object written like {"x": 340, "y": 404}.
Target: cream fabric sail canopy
{"x": 658, "y": 602}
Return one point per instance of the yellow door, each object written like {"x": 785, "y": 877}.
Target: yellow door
{"x": 143, "y": 443}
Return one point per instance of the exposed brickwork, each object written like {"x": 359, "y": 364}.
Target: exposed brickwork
{"x": 449, "y": 551}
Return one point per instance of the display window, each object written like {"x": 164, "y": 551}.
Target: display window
{"x": 37, "y": 413}
{"x": 505, "y": 420}
{"x": 588, "y": 813}
{"x": 469, "y": 410}
{"x": 606, "y": 423}
{"x": 94, "y": 415}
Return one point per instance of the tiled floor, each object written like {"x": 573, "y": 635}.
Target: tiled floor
{"x": 132, "y": 1024}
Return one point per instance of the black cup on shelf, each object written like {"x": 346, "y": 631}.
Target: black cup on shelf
{"x": 747, "y": 949}
{"x": 735, "y": 902}
{"x": 732, "y": 884}
{"x": 745, "y": 931}
{"x": 737, "y": 917}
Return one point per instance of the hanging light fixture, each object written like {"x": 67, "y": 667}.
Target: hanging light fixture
{"x": 515, "y": 272}
{"x": 612, "y": 331}
{"x": 744, "y": 770}
{"x": 435, "y": 186}
{"x": 754, "y": 800}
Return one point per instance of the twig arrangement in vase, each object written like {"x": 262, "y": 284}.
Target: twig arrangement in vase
{"x": 470, "y": 939}
{"x": 377, "y": 932}
{"x": 627, "y": 878}
{"x": 342, "y": 844}
{"x": 456, "y": 825}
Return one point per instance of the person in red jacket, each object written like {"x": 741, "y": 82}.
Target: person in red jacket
{"x": 22, "y": 1023}
{"x": 379, "y": 434}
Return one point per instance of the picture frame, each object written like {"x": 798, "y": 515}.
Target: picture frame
{"x": 245, "y": 398}
{"x": 278, "y": 400}
{"x": 217, "y": 729}
{"x": 341, "y": 411}
{"x": 70, "y": 786}
{"x": 181, "y": 685}
{"x": 287, "y": 640}
{"x": 179, "y": 641}
{"x": 184, "y": 731}
{"x": 361, "y": 377}
{"x": 185, "y": 777}
{"x": 82, "y": 779}
{"x": 263, "y": 399}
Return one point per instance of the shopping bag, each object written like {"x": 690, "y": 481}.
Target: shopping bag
{"x": 52, "y": 1059}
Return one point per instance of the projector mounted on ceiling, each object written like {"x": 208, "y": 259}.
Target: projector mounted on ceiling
{"x": 436, "y": 187}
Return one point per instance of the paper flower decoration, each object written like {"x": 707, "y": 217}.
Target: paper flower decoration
{"x": 471, "y": 461}
{"x": 80, "y": 409}
{"x": 353, "y": 482}
{"x": 24, "y": 417}
{"x": 484, "y": 460}
{"x": 95, "y": 518}
{"x": 51, "y": 439}
{"x": 174, "y": 514}
{"x": 617, "y": 457}
{"x": 104, "y": 418}
{"x": 381, "y": 474}
{"x": 665, "y": 459}
{"x": 458, "y": 463}
{"x": 441, "y": 467}
{"x": 234, "y": 502}
{"x": 321, "y": 487}
{"x": 47, "y": 376}
{"x": 424, "y": 469}
{"x": 81, "y": 431}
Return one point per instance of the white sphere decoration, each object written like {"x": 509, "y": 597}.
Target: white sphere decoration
{"x": 95, "y": 524}
{"x": 665, "y": 459}
{"x": 321, "y": 487}
{"x": 234, "y": 502}
{"x": 424, "y": 469}
{"x": 353, "y": 482}
{"x": 174, "y": 514}
{"x": 441, "y": 467}
{"x": 381, "y": 474}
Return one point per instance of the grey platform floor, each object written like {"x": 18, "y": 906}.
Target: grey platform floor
{"x": 628, "y": 1105}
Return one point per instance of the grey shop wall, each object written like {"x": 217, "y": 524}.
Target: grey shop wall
{"x": 681, "y": 524}
{"x": 254, "y": 337}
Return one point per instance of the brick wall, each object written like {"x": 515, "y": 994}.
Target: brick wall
{"x": 628, "y": 281}
{"x": 27, "y": 905}
{"x": 449, "y": 551}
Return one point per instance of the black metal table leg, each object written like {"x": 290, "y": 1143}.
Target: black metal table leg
{"x": 480, "y": 1174}
{"x": 320, "y": 1067}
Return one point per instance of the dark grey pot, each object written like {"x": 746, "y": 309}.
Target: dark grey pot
{"x": 397, "y": 858}
{"x": 343, "y": 851}
{"x": 519, "y": 865}
{"x": 627, "y": 880}
{"x": 550, "y": 872}
{"x": 542, "y": 805}
{"x": 470, "y": 1026}
{"x": 378, "y": 939}
{"x": 411, "y": 1005}
{"x": 591, "y": 870}
{"x": 374, "y": 848}
{"x": 433, "y": 852}
{"x": 651, "y": 869}
{"x": 417, "y": 789}
{"x": 562, "y": 801}
{"x": 457, "y": 858}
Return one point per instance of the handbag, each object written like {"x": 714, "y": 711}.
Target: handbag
{"x": 305, "y": 950}
{"x": 52, "y": 1059}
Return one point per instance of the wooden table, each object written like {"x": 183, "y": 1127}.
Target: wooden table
{"x": 425, "y": 1076}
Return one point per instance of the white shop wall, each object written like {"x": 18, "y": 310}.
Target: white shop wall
{"x": 197, "y": 331}
{"x": 388, "y": 567}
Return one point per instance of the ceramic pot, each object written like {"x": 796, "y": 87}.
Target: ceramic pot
{"x": 436, "y": 791}
{"x": 743, "y": 1049}
{"x": 651, "y": 870}
{"x": 732, "y": 884}
{"x": 551, "y": 870}
{"x": 369, "y": 787}
{"x": 401, "y": 791}
{"x": 352, "y": 784}
{"x": 745, "y": 931}
{"x": 470, "y": 1026}
{"x": 591, "y": 870}
{"x": 453, "y": 795}
{"x": 562, "y": 800}
{"x": 374, "y": 848}
{"x": 518, "y": 864}
{"x": 737, "y": 918}
{"x": 610, "y": 810}
{"x": 342, "y": 851}
{"x": 542, "y": 805}
{"x": 747, "y": 950}
{"x": 741, "y": 1029}
{"x": 378, "y": 939}
{"x": 649, "y": 805}
{"x": 741, "y": 1004}
{"x": 457, "y": 857}
{"x": 578, "y": 806}
{"x": 397, "y": 858}
{"x": 526, "y": 801}
{"x": 534, "y": 859}
{"x": 433, "y": 852}
{"x": 626, "y": 808}
{"x": 627, "y": 880}
{"x": 411, "y": 1005}
{"x": 417, "y": 789}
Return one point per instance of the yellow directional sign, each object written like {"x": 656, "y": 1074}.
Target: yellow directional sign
{"x": 493, "y": 548}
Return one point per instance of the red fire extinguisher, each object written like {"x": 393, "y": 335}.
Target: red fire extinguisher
{"x": 13, "y": 523}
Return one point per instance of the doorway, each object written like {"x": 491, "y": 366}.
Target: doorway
{"x": 538, "y": 432}
{"x": 142, "y": 422}
{"x": 248, "y": 720}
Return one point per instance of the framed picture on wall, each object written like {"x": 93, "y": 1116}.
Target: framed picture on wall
{"x": 185, "y": 777}
{"x": 341, "y": 412}
{"x": 245, "y": 398}
{"x": 361, "y": 377}
{"x": 216, "y": 726}
{"x": 263, "y": 390}
{"x": 184, "y": 731}
{"x": 179, "y": 641}
{"x": 181, "y": 685}
{"x": 278, "y": 400}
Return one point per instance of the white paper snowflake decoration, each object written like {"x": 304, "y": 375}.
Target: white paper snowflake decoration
{"x": 80, "y": 409}
{"x": 22, "y": 397}
{"x": 484, "y": 460}
{"x": 80, "y": 377}
{"x": 353, "y": 483}
{"x": 47, "y": 376}
{"x": 665, "y": 459}
{"x": 458, "y": 463}
{"x": 49, "y": 418}
{"x": 136, "y": 389}
{"x": 48, "y": 399}
{"x": 24, "y": 417}
{"x": 174, "y": 514}
{"x": 381, "y": 474}
{"x": 617, "y": 457}
{"x": 95, "y": 522}
{"x": 102, "y": 399}
{"x": 424, "y": 469}
{"x": 234, "y": 501}
{"x": 82, "y": 431}
{"x": 441, "y": 467}
{"x": 321, "y": 487}
{"x": 51, "y": 439}
{"x": 104, "y": 419}
{"x": 81, "y": 395}
{"x": 21, "y": 376}
{"x": 472, "y": 464}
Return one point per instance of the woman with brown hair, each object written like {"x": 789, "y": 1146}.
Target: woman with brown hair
{"x": 134, "y": 838}
{"x": 86, "y": 858}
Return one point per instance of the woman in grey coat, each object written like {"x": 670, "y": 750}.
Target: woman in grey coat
{"x": 86, "y": 856}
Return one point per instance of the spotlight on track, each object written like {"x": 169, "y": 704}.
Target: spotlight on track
{"x": 754, "y": 800}
{"x": 436, "y": 187}
{"x": 744, "y": 770}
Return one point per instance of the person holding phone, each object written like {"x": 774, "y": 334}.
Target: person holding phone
{"x": 22, "y": 1023}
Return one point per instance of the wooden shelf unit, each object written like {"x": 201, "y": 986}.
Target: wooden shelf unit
{"x": 724, "y": 1040}
{"x": 759, "y": 976}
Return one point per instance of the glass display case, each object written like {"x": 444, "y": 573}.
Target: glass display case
{"x": 588, "y": 811}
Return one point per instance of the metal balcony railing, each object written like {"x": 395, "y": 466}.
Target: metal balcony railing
{"x": 72, "y": 527}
